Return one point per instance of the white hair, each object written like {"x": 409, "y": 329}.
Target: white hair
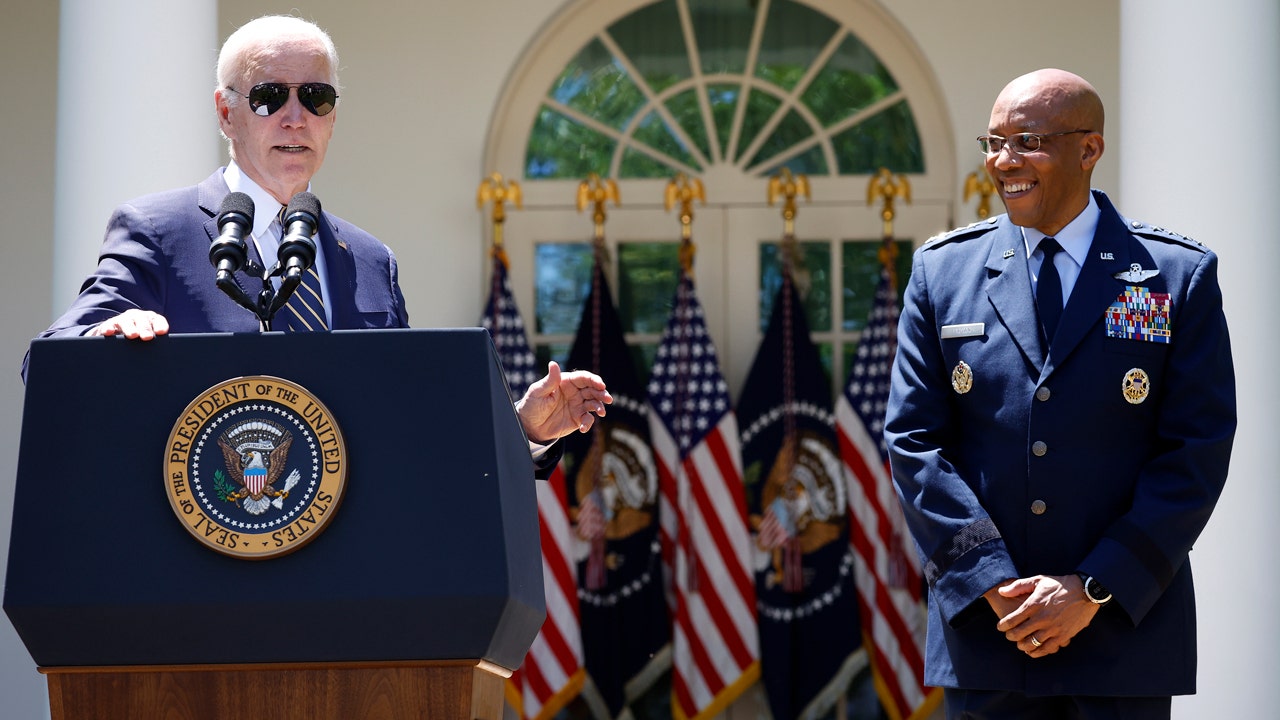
{"x": 242, "y": 48}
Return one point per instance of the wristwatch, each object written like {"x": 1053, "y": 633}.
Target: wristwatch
{"x": 1093, "y": 590}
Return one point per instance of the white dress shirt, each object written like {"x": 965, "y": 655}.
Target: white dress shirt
{"x": 267, "y": 232}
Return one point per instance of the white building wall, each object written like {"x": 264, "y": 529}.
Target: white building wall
{"x": 1200, "y": 108}
{"x": 420, "y": 84}
{"x": 28, "y": 75}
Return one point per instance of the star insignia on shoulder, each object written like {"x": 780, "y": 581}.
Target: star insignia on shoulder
{"x": 970, "y": 230}
{"x": 1153, "y": 231}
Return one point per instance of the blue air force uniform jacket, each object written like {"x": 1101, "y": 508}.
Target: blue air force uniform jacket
{"x": 1104, "y": 453}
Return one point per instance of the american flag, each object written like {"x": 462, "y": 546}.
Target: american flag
{"x": 715, "y": 654}
{"x": 887, "y": 570}
{"x": 552, "y": 673}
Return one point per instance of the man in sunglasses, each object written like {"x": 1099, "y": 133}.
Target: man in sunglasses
{"x": 1060, "y": 420}
{"x": 276, "y": 101}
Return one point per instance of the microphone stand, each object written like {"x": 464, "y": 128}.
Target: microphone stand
{"x": 269, "y": 300}
{"x": 229, "y": 285}
{"x": 296, "y": 253}
{"x": 289, "y": 282}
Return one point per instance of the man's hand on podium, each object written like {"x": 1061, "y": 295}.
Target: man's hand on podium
{"x": 562, "y": 402}
{"x": 134, "y": 324}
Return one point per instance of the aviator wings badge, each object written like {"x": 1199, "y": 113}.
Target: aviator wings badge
{"x": 1135, "y": 274}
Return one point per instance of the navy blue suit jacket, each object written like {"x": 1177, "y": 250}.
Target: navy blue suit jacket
{"x": 1044, "y": 467}
{"x": 156, "y": 257}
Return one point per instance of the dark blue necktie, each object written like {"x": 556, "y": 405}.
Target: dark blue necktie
{"x": 304, "y": 311}
{"x": 1049, "y": 289}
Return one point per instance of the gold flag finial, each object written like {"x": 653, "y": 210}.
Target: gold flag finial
{"x": 979, "y": 183}
{"x": 787, "y": 186}
{"x": 498, "y": 191}
{"x": 596, "y": 192}
{"x": 685, "y": 190}
{"x": 884, "y": 185}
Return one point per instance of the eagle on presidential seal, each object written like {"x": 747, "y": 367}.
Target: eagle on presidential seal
{"x": 255, "y": 452}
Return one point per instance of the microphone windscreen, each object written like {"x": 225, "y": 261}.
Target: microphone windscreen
{"x": 304, "y": 202}
{"x": 237, "y": 202}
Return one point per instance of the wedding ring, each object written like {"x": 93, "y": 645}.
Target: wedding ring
{"x": 1035, "y": 642}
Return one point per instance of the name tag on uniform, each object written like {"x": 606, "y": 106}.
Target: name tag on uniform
{"x": 963, "y": 331}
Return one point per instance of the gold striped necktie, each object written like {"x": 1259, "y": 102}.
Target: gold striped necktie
{"x": 304, "y": 311}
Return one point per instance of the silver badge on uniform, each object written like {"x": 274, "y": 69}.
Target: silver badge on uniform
{"x": 1136, "y": 386}
{"x": 1136, "y": 274}
{"x": 962, "y": 378}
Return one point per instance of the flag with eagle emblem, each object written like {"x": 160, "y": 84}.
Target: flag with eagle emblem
{"x": 810, "y": 644}
{"x": 613, "y": 500}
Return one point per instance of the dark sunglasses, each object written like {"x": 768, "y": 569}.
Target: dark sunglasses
{"x": 266, "y": 98}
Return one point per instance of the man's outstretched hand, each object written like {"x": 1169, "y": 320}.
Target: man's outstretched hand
{"x": 562, "y": 402}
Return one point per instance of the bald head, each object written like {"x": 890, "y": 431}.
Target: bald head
{"x": 1063, "y": 95}
{"x": 1044, "y": 178}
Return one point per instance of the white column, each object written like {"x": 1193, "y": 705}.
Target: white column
{"x": 135, "y": 115}
{"x": 1200, "y": 122}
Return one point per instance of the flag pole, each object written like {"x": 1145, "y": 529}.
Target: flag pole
{"x": 886, "y": 187}
{"x": 787, "y": 186}
{"x": 494, "y": 189}
{"x": 684, "y": 191}
{"x": 597, "y": 192}
{"x": 979, "y": 183}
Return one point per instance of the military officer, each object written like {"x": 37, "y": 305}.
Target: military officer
{"x": 1060, "y": 421}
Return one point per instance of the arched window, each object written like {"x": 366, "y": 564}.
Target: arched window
{"x": 681, "y": 86}
{"x": 729, "y": 91}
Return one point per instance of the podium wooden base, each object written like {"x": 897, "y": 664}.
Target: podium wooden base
{"x": 435, "y": 690}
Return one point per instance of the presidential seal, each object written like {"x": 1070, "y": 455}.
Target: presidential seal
{"x": 1136, "y": 385}
{"x": 255, "y": 467}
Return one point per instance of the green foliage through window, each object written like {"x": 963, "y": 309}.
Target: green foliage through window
{"x": 814, "y": 91}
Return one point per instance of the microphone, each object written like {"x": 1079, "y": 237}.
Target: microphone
{"x": 235, "y": 222}
{"x": 297, "y": 250}
{"x": 228, "y": 252}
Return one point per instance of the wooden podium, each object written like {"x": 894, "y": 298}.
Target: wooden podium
{"x": 415, "y": 600}
{"x": 284, "y": 691}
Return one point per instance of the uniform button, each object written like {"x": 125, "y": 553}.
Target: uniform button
{"x": 1042, "y": 393}
{"x": 1039, "y": 448}
{"x": 1038, "y": 507}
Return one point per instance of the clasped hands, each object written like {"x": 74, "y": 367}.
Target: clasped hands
{"x": 1041, "y": 614}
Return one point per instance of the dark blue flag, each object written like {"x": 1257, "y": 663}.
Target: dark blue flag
{"x": 613, "y": 499}
{"x": 810, "y": 639}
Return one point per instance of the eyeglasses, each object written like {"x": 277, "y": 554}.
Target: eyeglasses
{"x": 1020, "y": 143}
{"x": 266, "y": 98}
